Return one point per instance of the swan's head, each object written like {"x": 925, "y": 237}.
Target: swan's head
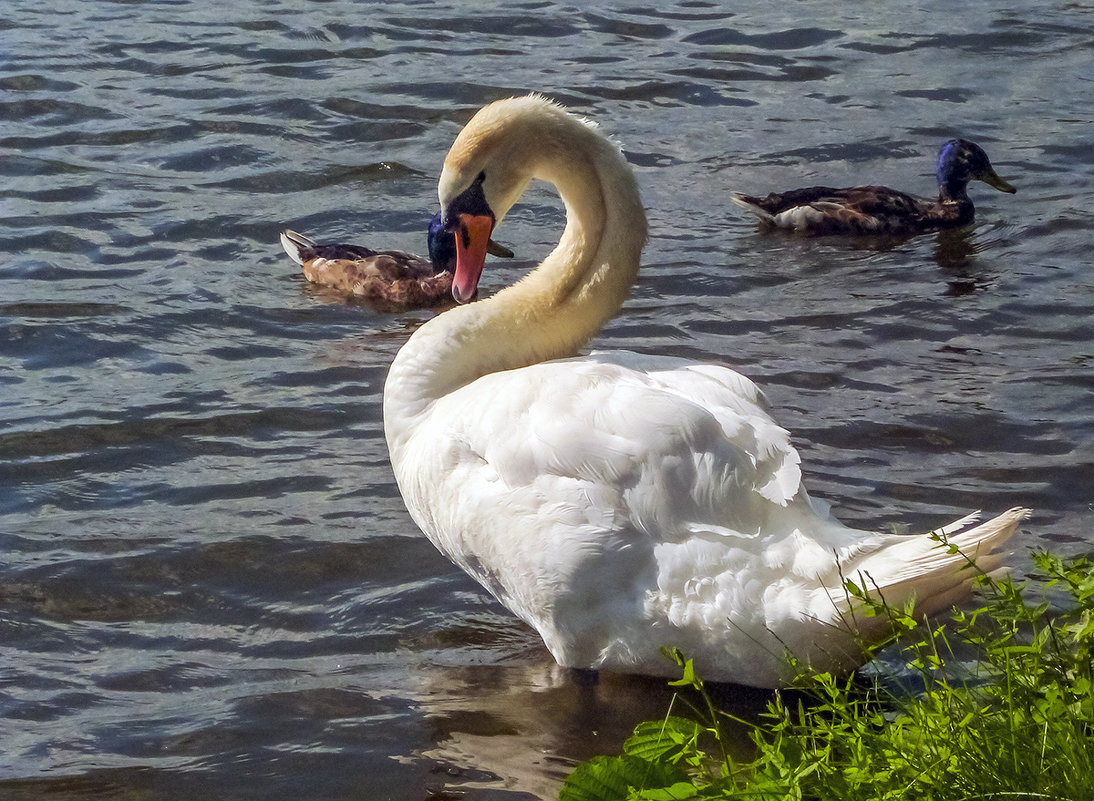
{"x": 961, "y": 161}
{"x": 489, "y": 166}
{"x": 468, "y": 222}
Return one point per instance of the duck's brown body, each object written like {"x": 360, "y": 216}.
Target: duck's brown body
{"x": 386, "y": 278}
{"x": 821, "y": 210}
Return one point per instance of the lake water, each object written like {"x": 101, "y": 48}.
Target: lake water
{"x": 209, "y": 587}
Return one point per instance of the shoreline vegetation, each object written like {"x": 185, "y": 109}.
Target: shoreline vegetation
{"x": 996, "y": 702}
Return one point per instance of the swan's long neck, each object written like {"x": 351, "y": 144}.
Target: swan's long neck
{"x": 555, "y": 309}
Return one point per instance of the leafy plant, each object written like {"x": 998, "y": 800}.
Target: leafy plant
{"x": 998, "y": 704}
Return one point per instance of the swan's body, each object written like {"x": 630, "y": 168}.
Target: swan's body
{"x": 618, "y": 502}
{"x": 382, "y": 277}
{"x": 819, "y": 210}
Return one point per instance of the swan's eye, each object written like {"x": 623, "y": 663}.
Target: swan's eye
{"x": 471, "y": 201}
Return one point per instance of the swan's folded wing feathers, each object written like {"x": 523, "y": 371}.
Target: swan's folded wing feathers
{"x": 683, "y": 450}
{"x": 739, "y": 406}
{"x": 741, "y": 409}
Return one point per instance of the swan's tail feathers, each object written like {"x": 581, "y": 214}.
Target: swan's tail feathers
{"x": 936, "y": 571}
{"x": 294, "y": 243}
{"x": 749, "y": 203}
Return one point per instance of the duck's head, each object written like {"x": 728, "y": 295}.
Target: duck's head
{"x": 961, "y": 161}
{"x": 442, "y": 247}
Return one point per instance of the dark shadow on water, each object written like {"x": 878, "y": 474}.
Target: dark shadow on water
{"x": 955, "y": 251}
{"x": 529, "y": 725}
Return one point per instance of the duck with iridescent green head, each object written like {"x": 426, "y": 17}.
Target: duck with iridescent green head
{"x": 820, "y": 210}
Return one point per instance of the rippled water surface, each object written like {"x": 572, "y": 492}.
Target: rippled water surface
{"x": 209, "y": 587}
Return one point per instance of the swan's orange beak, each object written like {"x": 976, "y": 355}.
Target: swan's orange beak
{"x": 472, "y": 239}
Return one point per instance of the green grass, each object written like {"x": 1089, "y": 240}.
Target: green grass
{"x": 996, "y": 704}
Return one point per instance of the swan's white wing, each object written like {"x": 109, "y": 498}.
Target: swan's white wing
{"x": 678, "y": 446}
{"x": 586, "y": 492}
{"x": 619, "y": 509}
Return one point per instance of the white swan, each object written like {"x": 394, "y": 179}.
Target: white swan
{"x": 618, "y": 502}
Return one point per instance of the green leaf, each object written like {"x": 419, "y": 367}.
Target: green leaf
{"x": 676, "y": 792}
{"x": 658, "y": 739}
{"x": 612, "y": 779}
{"x": 689, "y": 679}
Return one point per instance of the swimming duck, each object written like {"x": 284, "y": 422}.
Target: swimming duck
{"x": 390, "y": 277}
{"x": 822, "y": 210}
{"x": 621, "y": 502}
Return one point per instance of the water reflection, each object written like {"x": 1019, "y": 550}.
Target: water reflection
{"x": 533, "y": 722}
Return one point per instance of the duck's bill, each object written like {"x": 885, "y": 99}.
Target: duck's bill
{"x": 494, "y": 249}
{"x": 472, "y": 243}
{"x": 993, "y": 180}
